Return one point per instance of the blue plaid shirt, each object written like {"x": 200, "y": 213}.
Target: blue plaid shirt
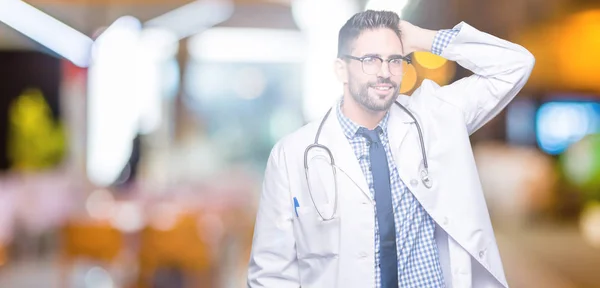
{"x": 418, "y": 260}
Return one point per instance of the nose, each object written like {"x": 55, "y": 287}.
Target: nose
{"x": 384, "y": 71}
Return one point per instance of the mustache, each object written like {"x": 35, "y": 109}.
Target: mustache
{"x": 381, "y": 80}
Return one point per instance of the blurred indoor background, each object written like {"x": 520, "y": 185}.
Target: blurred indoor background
{"x": 134, "y": 133}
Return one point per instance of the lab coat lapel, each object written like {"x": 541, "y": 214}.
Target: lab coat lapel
{"x": 399, "y": 125}
{"x": 345, "y": 158}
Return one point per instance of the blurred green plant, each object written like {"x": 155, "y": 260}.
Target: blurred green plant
{"x": 35, "y": 140}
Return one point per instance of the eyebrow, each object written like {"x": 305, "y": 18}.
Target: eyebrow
{"x": 397, "y": 56}
{"x": 393, "y": 56}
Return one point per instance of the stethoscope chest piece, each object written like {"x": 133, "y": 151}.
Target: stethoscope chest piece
{"x": 425, "y": 178}
{"x": 427, "y": 182}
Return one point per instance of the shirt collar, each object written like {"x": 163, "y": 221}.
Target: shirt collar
{"x": 350, "y": 128}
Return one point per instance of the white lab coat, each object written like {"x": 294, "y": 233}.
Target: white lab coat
{"x": 304, "y": 251}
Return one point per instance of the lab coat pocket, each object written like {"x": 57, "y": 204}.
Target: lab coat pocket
{"x": 315, "y": 237}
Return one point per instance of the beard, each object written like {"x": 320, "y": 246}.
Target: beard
{"x": 360, "y": 93}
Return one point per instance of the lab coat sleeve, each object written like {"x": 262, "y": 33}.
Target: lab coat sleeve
{"x": 500, "y": 68}
{"x": 273, "y": 257}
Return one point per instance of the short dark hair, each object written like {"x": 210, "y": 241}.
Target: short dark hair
{"x": 367, "y": 20}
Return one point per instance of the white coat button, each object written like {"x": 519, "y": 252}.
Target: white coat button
{"x": 446, "y": 221}
{"x": 362, "y": 254}
{"x": 414, "y": 183}
{"x": 481, "y": 254}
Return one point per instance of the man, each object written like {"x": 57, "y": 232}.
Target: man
{"x": 397, "y": 220}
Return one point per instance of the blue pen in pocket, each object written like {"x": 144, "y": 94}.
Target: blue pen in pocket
{"x": 296, "y": 205}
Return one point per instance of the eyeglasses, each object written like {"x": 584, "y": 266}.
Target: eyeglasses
{"x": 372, "y": 64}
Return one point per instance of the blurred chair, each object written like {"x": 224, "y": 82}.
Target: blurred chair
{"x": 98, "y": 241}
{"x": 176, "y": 252}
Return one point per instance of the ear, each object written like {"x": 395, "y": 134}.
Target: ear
{"x": 341, "y": 70}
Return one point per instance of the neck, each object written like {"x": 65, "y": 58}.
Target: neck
{"x": 360, "y": 114}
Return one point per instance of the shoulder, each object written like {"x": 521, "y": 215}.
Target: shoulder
{"x": 427, "y": 92}
{"x": 430, "y": 96}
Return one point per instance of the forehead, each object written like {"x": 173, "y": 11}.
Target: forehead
{"x": 379, "y": 41}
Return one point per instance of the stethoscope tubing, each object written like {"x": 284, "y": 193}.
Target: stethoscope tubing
{"x": 425, "y": 172}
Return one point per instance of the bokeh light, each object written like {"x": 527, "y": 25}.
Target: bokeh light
{"x": 429, "y": 60}
{"x": 590, "y": 224}
{"x": 581, "y": 165}
{"x": 576, "y": 65}
{"x": 410, "y": 78}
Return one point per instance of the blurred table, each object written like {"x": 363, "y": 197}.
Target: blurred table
{"x": 550, "y": 256}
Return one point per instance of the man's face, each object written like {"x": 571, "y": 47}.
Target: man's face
{"x": 377, "y": 89}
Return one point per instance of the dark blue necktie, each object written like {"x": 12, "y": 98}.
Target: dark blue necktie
{"x": 385, "y": 212}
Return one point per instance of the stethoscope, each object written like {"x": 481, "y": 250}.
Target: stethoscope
{"x": 424, "y": 172}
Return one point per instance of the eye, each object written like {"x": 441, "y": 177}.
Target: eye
{"x": 370, "y": 60}
{"x": 397, "y": 61}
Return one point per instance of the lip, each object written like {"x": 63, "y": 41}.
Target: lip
{"x": 382, "y": 92}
